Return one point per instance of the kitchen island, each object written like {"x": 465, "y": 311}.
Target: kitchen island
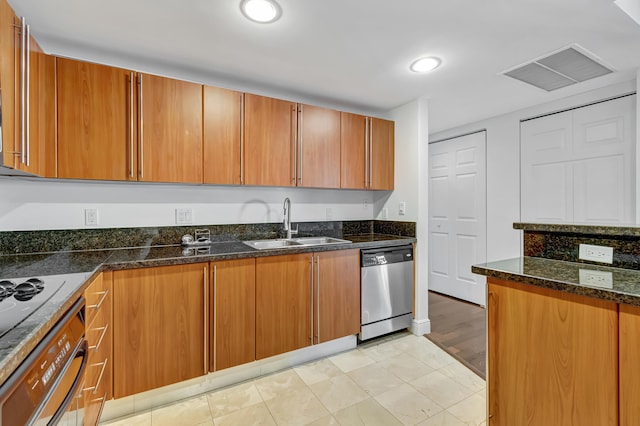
{"x": 564, "y": 333}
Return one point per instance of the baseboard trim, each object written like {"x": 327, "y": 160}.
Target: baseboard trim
{"x": 420, "y": 327}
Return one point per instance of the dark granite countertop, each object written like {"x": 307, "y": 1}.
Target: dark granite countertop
{"x": 631, "y": 230}
{"x": 79, "y": 267}
{"x": 601, "y": 282}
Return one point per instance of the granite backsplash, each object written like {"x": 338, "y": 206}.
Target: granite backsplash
{"x": 17, "y": 242}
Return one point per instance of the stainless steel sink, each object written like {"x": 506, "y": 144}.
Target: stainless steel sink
{"x": 294, "y": 242}
{"x": 271, "y": 244}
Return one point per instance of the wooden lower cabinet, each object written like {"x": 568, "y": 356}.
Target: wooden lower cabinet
{"x": 553, "y": 357}
{"x": 283, "y": 304}
{"x": 232, "y": 313}
{"x": 629, "y": 318}
{"x": 98, "y": 374}
{"x": 336, "y": 294}
{"x": 159, "y": 327}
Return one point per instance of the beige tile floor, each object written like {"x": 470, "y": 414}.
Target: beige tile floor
{"x": 398, "y": 380}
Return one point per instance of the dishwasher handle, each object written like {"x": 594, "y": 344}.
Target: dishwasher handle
{"x": 385, "y": 256}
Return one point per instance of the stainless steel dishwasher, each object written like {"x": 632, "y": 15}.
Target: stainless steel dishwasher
{"x": 386, "y": 290}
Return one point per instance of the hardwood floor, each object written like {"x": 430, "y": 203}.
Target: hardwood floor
{"x": 459, "y": 328}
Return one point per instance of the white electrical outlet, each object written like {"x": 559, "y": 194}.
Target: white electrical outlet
{"x": 184, "y": 216}
{"x": 402, "y": 208}
{"x": 385, "y": 213}
{"x": 593, "y": 253}
{"x": 91, "y": 217}
{"x": 365, "y": 203}
{"x": 329, "y": 213}
{"x": 596, "y": 278}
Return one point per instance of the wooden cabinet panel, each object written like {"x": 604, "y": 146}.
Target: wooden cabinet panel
{"x": 95, "y": 121}
{"x": 353, "y": 155}
{"x": 222, "y": 136}
{"x": 269, "y": 138}
{"x": 319, "y": 147}
{"x": 544, "y": 368}
{"x": 170, "y": 130}
{"x": 382, "y": 154}
{"x": 233, "y": 310}
{"x": 629, "y": 370}
{"x": 9, "y": 85}
{"x": 283, "y": 304}
{"x": 158, "y": 323}
{"x": 42, "y": 114}
{"x": 337, "y": 294}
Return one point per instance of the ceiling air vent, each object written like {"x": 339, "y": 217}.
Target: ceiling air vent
{"x": 559, "y": 69}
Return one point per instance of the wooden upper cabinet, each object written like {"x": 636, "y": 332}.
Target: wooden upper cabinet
{"x": 222, "y": 136}
{"x": 336, "y": 295}
{"x": 283, "y": 304}
{"x": 629, "y": 319}
{"x": 42, "y": 114}
{"x": 353, "y": 150}
{"x": 170, "y": 139}
{"x": 233, "y": 313}
{"x": 9, "y": 86}
{"x": 159, "y": 327}
{"x": 96, "y": 121}
{"x": 269, "y": 139}
{"x": 319, "y": 147}
{"x": 553, "y": 357}
{"x": 381, "y": 153}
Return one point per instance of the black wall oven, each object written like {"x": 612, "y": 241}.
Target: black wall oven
{"x": 44, "y": 388}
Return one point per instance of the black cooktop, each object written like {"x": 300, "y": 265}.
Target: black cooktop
{"x": 21, "y": 297}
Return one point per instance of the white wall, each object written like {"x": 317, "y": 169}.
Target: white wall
{"x": 32, "y": 203}
{"x": 503, "y": 165}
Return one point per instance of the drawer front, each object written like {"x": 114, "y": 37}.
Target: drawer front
{"x": 97, "y": 296}
{"x": 96, "y": 391}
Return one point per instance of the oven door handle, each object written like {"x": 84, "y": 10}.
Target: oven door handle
{"x": 81, "y": 351}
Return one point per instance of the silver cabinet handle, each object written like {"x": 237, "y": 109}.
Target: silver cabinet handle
{"x": 300, "y": 136}
{"x": 311, "y": 301}
{"x": 23, "y": 71}
{"x": 366, "y": 152}
{"x": 370, "y": 153}
{"x": 140, "y": 127}
{"x": 241, "y": 138}
{"x": 131, "y": 124}
{"x": 104, "y": 332}
{"x": 102, "y": 299}
{"x": 27, "y": 85}
{"x": 215, "y": 314}
{"x": 318, "y": 298}
{"x": 205, "y": 316}
{"x": 294, "y": 141}
{"x": 95, "y": 387}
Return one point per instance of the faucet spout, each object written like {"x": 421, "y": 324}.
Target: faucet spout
{"x": 286, "y": 222}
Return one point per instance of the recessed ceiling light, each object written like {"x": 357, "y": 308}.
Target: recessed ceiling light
{"x": 427, "y": 64}
{"x": 262, "y": 11}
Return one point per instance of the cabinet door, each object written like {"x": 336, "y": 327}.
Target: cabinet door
{"x": 159, "y": 327}
{"x": 336, "y": 294}
{"x": 9, "y": 85}
{"x": 269, "y": 139}
{"x": 319, "y": 165}
{"x": 170, "y": 130}
{"x": 382, "y": 154}
{"x": 629, "y": 370}
{"x": 553, "y": 357}
{"x": 233, "y": 313}
{"x": 42, "y": 114}
{"x": 353, "y": 128}
{"x": 283, "y": 304}
{"x": 95, "y": 121}
{"x": 222, "y": 136}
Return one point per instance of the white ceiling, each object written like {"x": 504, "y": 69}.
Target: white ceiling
{"x": 354, "y": 53}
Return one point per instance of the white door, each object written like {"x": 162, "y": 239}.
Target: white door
{"x": 578, "y": 165}
{"x": 457, "y": 216}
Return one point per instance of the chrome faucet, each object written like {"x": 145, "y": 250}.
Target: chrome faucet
{"x": 287, "y": 219}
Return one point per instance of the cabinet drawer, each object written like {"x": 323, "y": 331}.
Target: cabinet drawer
{"x": 96, "y": 390}
{"x": 98, "y": 297}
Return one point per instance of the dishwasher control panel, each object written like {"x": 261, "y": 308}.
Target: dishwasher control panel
{"x": 385, "y": 256}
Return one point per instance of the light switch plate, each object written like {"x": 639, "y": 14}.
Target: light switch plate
{"x": 184, "y": 216}
{"x": 402, "y": 208}
{"x": 91, "y": 217}
{"x": 602, "y": 254}
{"x": 385, "y": 213}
